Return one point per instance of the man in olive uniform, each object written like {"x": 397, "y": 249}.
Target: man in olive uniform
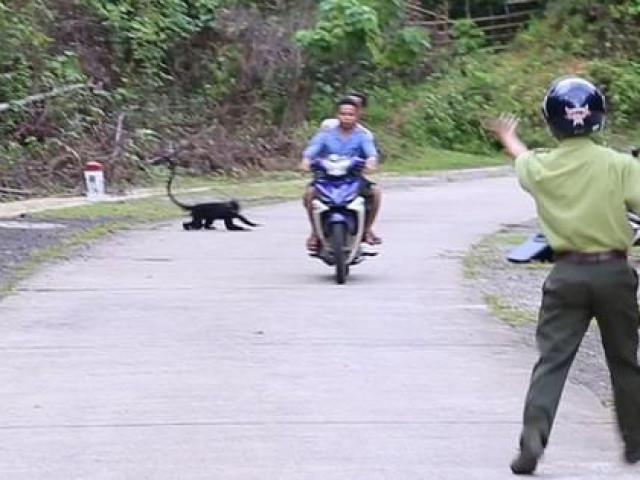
{"x": 582, "y": 192}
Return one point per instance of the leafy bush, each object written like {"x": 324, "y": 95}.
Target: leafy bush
{"x": 143, "y": 32}
{"x": 360, "y": 40}
{"x": 620, "y": 81}
{"x": 24, "y": 45}
{"x": 468, "y": 38}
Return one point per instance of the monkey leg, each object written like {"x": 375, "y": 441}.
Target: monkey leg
{"x": 196, "y": 223}
{"x": 228, "y": 222}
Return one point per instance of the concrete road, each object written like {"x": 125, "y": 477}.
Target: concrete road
{"x": 166, "y": 354}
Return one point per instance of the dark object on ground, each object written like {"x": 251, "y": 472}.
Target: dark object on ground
{"x": 535, "y": 248}
{"x": 203, "y": 215}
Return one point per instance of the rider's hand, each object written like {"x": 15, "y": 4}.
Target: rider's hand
{"x": 305, "y": 165}
{"x": 370, "y": 165}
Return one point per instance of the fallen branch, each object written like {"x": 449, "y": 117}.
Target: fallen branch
{"x": 118, "y": 138}
{"x": 16, "y": 191}
{"x": 4, "y": 106}
{"x": 69, "y": 149}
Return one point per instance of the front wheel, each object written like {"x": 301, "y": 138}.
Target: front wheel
{"x": 338, "y": 240}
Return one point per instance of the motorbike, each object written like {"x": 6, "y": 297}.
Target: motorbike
{"x": 339, "y": 213}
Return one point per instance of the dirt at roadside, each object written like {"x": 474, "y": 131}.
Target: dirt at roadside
{"x": 21, "y": 237}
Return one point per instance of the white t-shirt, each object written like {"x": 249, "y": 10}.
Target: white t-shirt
{"x": 334, "y": 122}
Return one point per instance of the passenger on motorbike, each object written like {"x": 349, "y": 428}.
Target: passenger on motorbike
{"x": 344, "y": 140}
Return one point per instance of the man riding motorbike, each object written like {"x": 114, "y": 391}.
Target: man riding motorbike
{"x": 373, "y": 195}
{"x": 345, "y": 139}
{"x": 362, "y": 101}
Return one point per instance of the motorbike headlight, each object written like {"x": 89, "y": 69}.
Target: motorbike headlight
{"x": 337, "y": 166}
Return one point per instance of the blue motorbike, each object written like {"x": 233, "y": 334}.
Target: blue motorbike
{"x": 339, "y": 212}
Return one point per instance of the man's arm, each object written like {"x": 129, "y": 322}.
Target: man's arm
{"x": 314, "y": 147}
{"x": 504, "y": 128}
{"x": 370, "y": 152}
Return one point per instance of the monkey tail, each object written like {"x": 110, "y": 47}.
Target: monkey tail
{"x": 172, "y": 167}
{"x": 246, "y": 221}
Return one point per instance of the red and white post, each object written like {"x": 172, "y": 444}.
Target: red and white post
{"x": 94, "y": 179}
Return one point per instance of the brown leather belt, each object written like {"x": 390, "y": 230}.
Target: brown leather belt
{"x": 596, "y": 257}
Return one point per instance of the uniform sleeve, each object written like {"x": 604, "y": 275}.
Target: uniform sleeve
{"x": 523, "y": 169}
{"x": 315, "y": 145}
{"x": 631, "y": 185}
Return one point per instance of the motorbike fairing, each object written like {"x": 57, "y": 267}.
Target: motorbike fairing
{"x": 336, "y": 192}
{"x": 353, "y": 215}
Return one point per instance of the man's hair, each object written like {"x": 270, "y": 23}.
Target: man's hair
{"x": 362, "y": 97}
{"x": 348, "y": 101}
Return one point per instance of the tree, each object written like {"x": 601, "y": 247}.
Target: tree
{"x": 352, "y": 37}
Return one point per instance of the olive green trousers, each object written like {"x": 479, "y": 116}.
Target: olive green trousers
{"x": 572, "y": 295}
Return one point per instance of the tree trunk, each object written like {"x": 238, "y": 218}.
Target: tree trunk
{"x": 303, "y": 80}
{"x": 296, "y": 110}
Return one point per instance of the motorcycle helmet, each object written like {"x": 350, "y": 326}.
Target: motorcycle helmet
{"x": 573, "y": 107}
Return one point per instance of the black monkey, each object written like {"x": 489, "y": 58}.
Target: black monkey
{"x": 204, "y": 214}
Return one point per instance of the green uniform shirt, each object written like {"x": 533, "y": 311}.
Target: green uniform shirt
{"x": 582, "y": 192}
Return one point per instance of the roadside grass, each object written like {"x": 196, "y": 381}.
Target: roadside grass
{"x": 506, "y": 312}
{"x": 483, "y": 252}
{"x": 402, "y": 157}
{"x": 485, "y": 255}
{"x": 158, "y": 207}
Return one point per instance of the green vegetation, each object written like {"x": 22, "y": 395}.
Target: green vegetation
{"x": 237, "y": 85}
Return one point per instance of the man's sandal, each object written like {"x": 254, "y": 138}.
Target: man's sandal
{"x": 372, "y": 239}
{"x": 313, "y": 243}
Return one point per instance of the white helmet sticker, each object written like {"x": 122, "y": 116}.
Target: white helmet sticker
{"x": 577, "y": 114}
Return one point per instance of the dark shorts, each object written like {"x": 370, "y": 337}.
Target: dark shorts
{"x": 366, "y": 188}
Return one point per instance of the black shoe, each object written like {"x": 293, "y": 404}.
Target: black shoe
{"x": 531, "y": 449}
{"x": 632, "y": 453}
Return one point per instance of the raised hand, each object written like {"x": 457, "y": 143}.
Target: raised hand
{"x": 504, "y": 127}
